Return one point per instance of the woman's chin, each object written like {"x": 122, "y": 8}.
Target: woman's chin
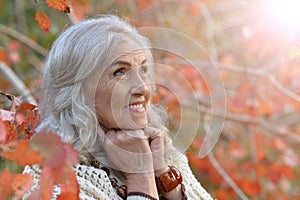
{"x": 132, "y": 125}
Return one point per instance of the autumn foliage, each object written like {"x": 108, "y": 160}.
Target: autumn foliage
{"x": 257, "y": 155}
{"x": 79, "y": 9}
{"x": 21, "y": 146}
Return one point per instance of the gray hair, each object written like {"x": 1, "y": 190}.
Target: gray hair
{"x": 73, "y": 58}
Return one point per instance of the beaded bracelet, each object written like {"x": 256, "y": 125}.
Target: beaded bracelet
{"x": 168, "y": 180}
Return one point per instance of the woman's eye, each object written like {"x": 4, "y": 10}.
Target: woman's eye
{"x": 119, "y": 72}
{"x": 144, "y": 69}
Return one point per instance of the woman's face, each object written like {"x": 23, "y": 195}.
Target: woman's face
{"x": 123, "y": 90}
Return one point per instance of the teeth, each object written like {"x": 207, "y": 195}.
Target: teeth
{"x": 136, "y": 106}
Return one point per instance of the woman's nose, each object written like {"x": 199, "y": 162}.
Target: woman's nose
{"x": 139, "y": 86}
{"x": 142, "y": 89}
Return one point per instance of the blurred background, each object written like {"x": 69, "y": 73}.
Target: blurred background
{"x": 256, "y": 47}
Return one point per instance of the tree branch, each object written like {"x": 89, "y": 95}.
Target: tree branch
{"x": 17, "y": 83}
{"x": 20, "y": 16}
{"x": 23, "y": 39}
{"x": 243, "y": 69}
{"x": 226, "y": 177}
{"x": 241, "y": 118}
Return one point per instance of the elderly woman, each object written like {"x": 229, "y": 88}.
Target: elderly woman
{"x": 97, "y": 92}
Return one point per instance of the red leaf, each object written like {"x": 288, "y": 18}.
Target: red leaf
{"x": 46, "y": 183}
{"x": 250, "y": 187}
{"x": 23, "y": 155}
{"x": 43, "y": 20}
{"x": 143, "y": 4}
{"x": 11, "y": 135}
{"x": 286, "y": 171}
{"x": 70, "y": 190}
{"x": 261, "y": 170}
{"x": 223, "y": 194}
{"x": 21, "y": 184}
{"x": 29, "y": 119}
{"x": 274, "y": 174}
{"x": 80, "y": 8}
{"x": 27, "y": 106}
{"x": 71, "y": 155}
{"x": 4, "y": 57}
{"x": 59, "y": 5}
{"x": 5, "y": 187}
{"x": 50, "y": 147}
{"x": 2, "y": 132}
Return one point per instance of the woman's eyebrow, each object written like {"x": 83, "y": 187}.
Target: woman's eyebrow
{"x": 122, "y": 62}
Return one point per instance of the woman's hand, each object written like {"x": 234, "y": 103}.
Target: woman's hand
{"x": 129, "y": 152}
{"x": 157, "y": 146}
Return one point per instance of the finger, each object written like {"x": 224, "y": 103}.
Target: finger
{"x": 154, "y": 133}
{"x": 136, "y": 133}
{"x": 149, "y": 131}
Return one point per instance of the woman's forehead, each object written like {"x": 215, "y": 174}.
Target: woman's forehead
{"x": 129, "y": 51}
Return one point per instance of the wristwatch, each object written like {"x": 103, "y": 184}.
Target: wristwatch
{"x": 168, "y": 180}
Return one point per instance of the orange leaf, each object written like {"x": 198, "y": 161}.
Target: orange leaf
{"x": 59, "y": 157}
{"x": 46, "y": 183}
{"x": 143, "y": 4}
{"x": 11, "y": 134}
{"x": 21, "y": 184}
{"x": 223, "y": 194}
{"x": 27, "y": 106}
{"x": 54, "y": 154}
{"x": 59, "y": 5}
{"x": 5, "y": 184}
{"x": 286, "y": 171}
{"x": 43, "y": 20}
{"x": 250, "y": 187}
{"x": 260, "y": 170}
{"x": 274, "y": 173}
{"x": 71, "y": 155}
{"x": 70, "y": 190}
{"x": 80, "y": 8}
{"x": 2, "y": 131}
{"x": 4, "y": 57}
{"x": 23, "y": 155}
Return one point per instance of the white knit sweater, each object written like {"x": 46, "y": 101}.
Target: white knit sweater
{"x": 95, "y": 184}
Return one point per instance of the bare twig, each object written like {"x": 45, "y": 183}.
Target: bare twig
{"x": 226, "y": 177}
{"x": 24, "y": 39}
{"x": 17, "y": 83}
{"x": 243, "y": 69}
{"x": 241, "y": 118}
{"x": 265, "y": 75}
{"x": 9, "y": 96}
{"x": 20, "y": 16}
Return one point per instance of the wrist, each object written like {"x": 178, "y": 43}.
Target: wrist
{"x": 142, "y": 182}
{"x": 169, "y": 180}
{"x": 161, "y": 171}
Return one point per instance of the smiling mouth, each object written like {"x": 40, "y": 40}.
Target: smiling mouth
{"x": 137, "y": 107}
